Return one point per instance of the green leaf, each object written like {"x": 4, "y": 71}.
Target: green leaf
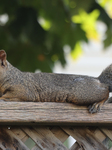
{"x": 108, "y": 40}
{"x": 31, "y": 45}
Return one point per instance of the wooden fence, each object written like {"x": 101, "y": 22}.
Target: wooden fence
{"x": 48, "y": 125}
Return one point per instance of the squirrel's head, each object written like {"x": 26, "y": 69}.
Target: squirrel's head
{"x": 106, "y": 77}
{"x": 3, "y": 62}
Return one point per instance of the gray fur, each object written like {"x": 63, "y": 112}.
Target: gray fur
{"x": 49, "y": 87}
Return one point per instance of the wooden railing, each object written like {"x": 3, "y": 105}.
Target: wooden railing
{"x": 48, "y": 126}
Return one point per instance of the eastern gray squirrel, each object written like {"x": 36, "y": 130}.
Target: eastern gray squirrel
{"x": 50, "y": 87}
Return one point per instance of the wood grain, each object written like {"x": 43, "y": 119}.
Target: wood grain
{"x": 60, "y": 134}
{"x": 32, "y": 113}
{"x": 8, "y": 140}
{"x": 85, "y": 138}
{"x": 44, "y": 138}
{"x": 76, "y": 146}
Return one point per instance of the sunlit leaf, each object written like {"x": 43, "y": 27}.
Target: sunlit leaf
{"x": 107, "y": 5}
{"x": 36, "y": 31}
{"x": 77, "y": 51}
{"x": 44, "y": 23}
{"x": 88, "y": 23}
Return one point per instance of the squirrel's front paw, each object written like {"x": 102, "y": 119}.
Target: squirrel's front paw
{"x": 94, "y": 108}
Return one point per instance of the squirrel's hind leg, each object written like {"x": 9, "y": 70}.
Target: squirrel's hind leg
{"x": 96, "y": 107}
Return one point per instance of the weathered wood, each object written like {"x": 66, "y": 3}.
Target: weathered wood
{"x": 85, "y": 138}
{"x": 59, "y": 133}
{"x": 99, "y": 135}
{"x": 76, "y": 146}
{"x": 44, "y": 138}
{"x": 36, "y": 148}
{"x": 32, "y": 113}
{"x": 51, "y": 138}
{"x": 18, "y": 132}
{"x": 8, "y": 140}
{"x": 107, "y": 132}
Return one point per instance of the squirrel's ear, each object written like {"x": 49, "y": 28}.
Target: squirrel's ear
{"x": 3, "y": 58}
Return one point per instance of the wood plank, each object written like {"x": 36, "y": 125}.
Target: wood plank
{"x": 36, "y": 148}
{"x": 98, "y": 134}
{"x": 76, "y": 146}
{"x": 107, "y": 132}
{"x": 85, "y": 138}
{"x": 24, "y": 139}
{"x": 36, "y": 138}
{"x": 8, "y": 140}
{"x": 47, "y": 113}
{"x": 2, "y": 147}
{"x": 44, "y": 138}
{"x": 45, "y": 133}
{"x": 60, "y": 134}
{"x": 18, "y": 132}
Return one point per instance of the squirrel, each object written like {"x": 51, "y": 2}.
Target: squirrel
{"x": 16, "y": 85}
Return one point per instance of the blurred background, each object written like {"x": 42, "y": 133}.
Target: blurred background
{"x": 61, "y": 36}
{"x": 66, "y": 36}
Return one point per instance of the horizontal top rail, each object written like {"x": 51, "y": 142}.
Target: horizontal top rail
{"x": 51, "y": 113}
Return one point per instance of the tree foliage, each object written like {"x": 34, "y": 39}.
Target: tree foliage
{"x": 37, "y": 30}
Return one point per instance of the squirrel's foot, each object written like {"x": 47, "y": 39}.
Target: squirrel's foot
{"x": 94, "y": 108}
